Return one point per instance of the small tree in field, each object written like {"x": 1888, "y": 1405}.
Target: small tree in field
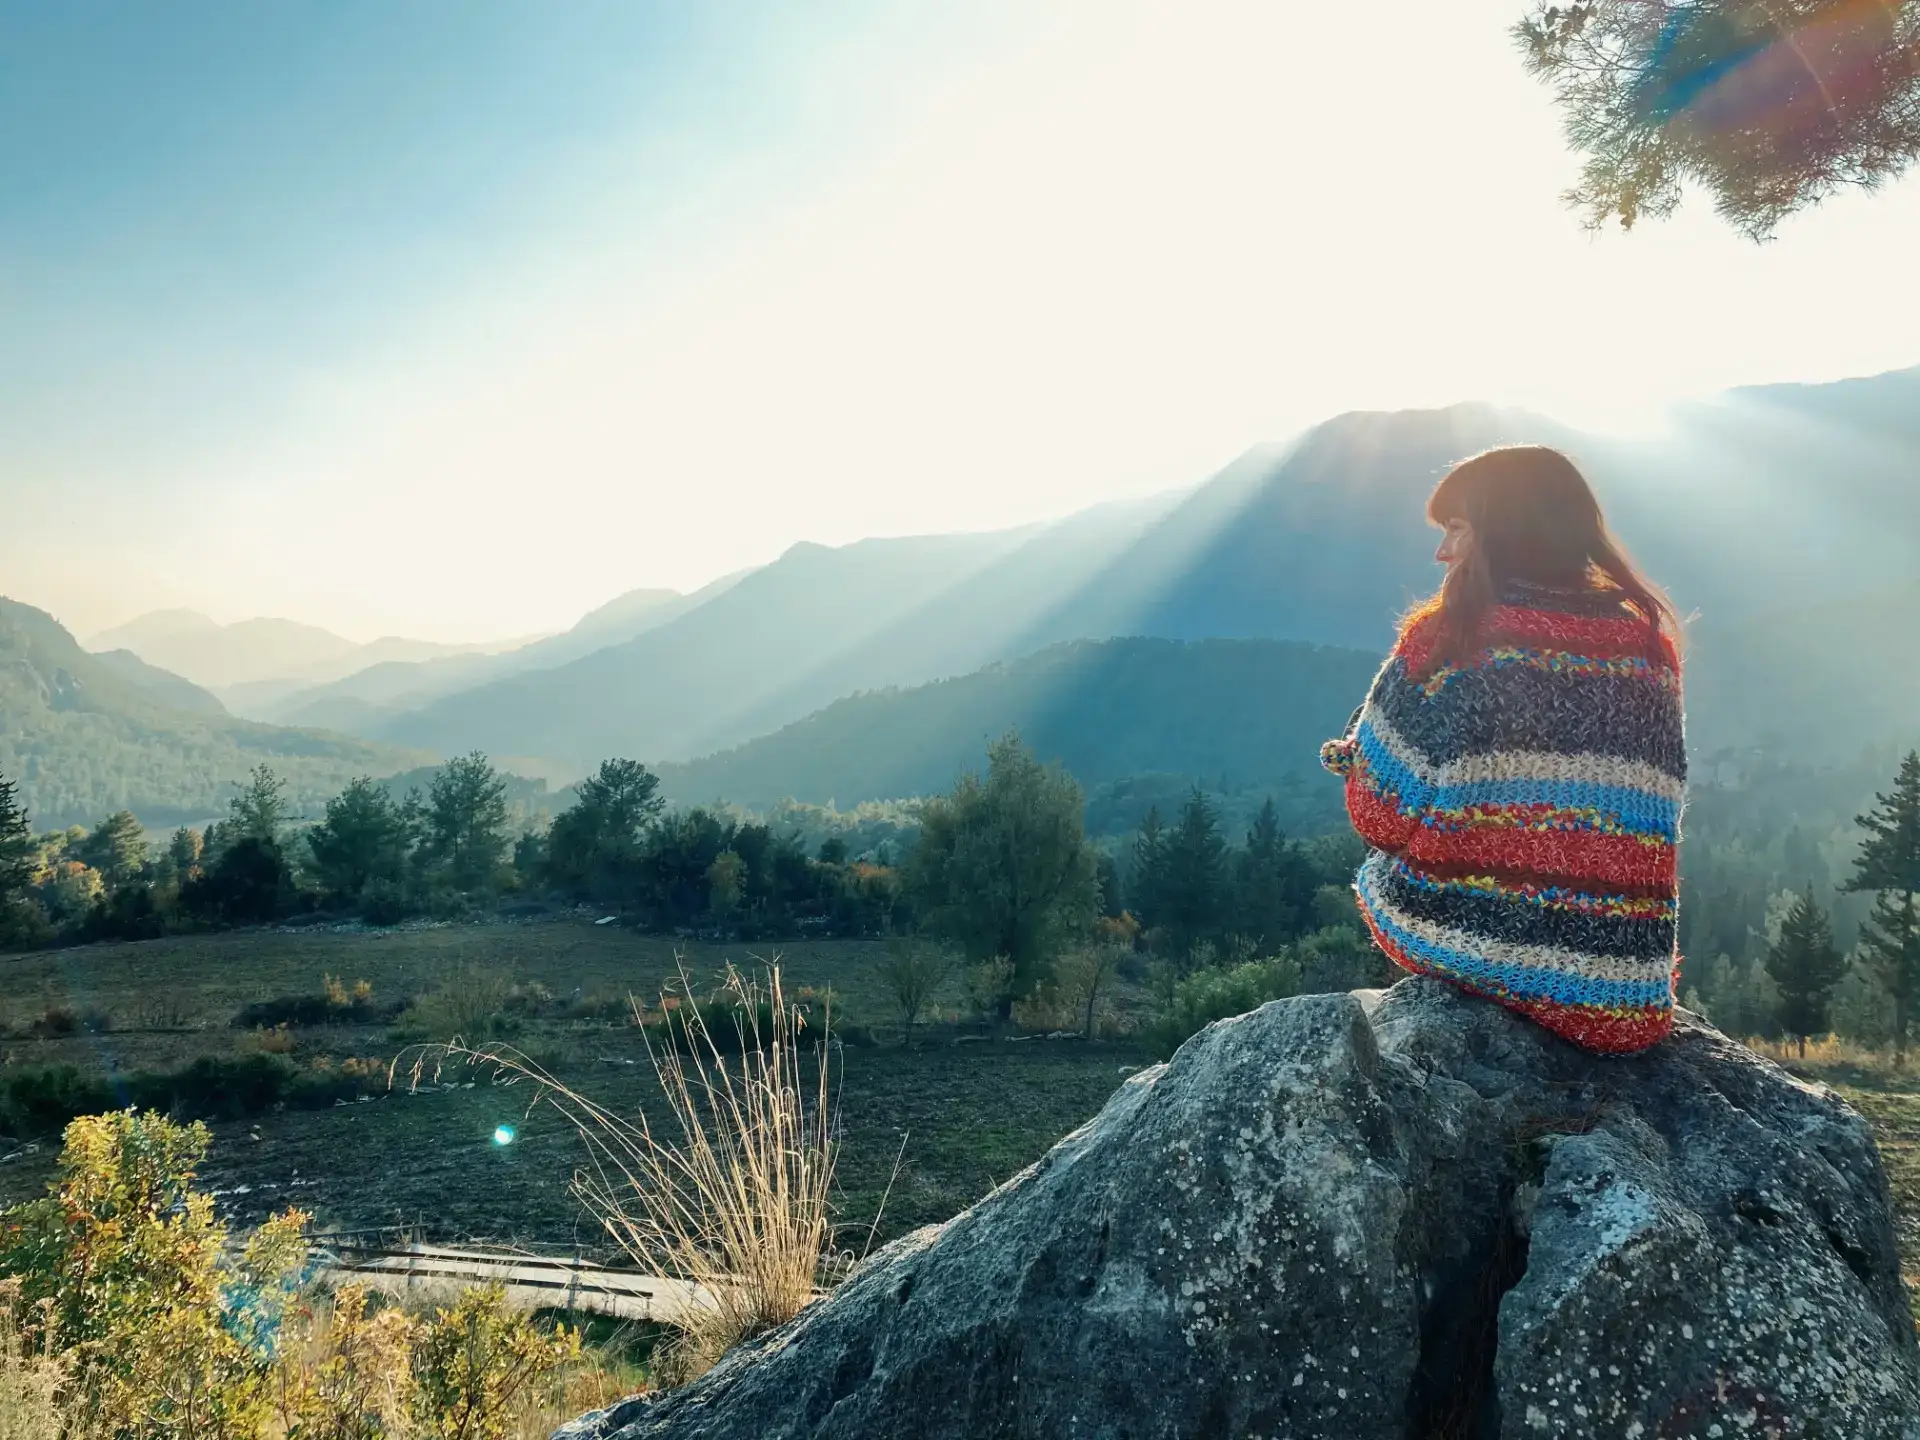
{"x": 1770, "y": 106}
{"x": 1806, "y": 967}
{"x": 1889, "y": 866}
{"x": 912, "y": 972}
{"x": 466, "y": 821}
{"x": 1003, "y": 867}
{"x": 1083, "y": 974}
{"x": 364, "y": 839}
{"x": 259, "y": 811}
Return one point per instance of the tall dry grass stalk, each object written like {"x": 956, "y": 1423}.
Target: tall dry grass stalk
{"x": 732, "y": 1194}
{"x": 30, "y": 1378}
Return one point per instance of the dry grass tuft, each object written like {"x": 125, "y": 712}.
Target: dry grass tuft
{"x": 734, "y": 1197}
{"x": 1832, "y": 1054}
{"x": 30, "y": 1377}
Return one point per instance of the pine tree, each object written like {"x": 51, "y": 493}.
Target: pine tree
{"x": 1273, "y": 883}
{"x": 466, "y": 821}
{"x": 16, "y": 845}
{"x": 1889, "y": 866}
{"x": 1806, "y": 966}
{"x": 1145, "y": 874}
{"x": 1193, "y": 876}
{"x": 365, "y": 838}
{"x": 117, "y": 848}
{"x": 258, "y": 812}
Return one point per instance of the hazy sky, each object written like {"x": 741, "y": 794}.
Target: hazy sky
{"x": 456, "y": 320}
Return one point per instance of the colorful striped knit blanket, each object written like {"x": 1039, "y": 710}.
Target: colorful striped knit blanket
{"x": 1524, "y": 815}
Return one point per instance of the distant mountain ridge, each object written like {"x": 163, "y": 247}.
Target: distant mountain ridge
{"x": 82, "y": 739}
{"x": 175, "y": 691}
{"x": 263, "y": 652}
{"x": 1802, "y": 491}
{"x": 367, "y": 700}
{"x": 1793, "y": 497}
{"x": 1234, "y": 715}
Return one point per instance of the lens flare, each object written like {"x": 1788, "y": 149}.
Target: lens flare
{"x": 503, "y": 1135}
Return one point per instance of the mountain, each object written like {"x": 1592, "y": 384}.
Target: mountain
{"x": 1239, "y": 716}
{"x": 215, "y": 655}
{"x": 82, "y": 740}
{"x": 1321, "y": 542}
{"x": 1819, "y": 683}
{"x": 704, "y": 679}
{"x": 1800, "y": 491}
{"x": 254, "y": 663}
{"x": 169, "y": 689}
{"x": 362, "y": 702}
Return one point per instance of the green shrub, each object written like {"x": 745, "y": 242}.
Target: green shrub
{"x": 1218, "y": 992}
{"x": 54, "y": 1022}
{"x": 1339, "y": 958}
{"x": 473, "y": 1003}
{"x": 334, "y": 1004}
{"x": 40, "y": 1099}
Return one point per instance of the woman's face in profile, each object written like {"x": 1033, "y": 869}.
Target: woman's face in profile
{"x": 1454, "y": 543}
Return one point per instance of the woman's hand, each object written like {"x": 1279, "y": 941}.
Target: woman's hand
{"x": 1338, "y": 755}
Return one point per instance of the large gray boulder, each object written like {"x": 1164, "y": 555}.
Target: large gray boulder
{"x": 1396, "y": 1215}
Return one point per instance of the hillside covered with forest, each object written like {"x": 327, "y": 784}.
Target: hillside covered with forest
{"x": 1134, "y": 717}
{"x": 82, "y": 739}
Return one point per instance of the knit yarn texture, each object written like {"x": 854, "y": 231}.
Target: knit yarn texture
{"x": 1523, "y": 813}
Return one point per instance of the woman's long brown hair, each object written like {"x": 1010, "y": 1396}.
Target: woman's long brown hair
{"x": 1535, "y": 521}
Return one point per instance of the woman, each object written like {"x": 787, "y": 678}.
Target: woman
{"x": 1519, "y": 767}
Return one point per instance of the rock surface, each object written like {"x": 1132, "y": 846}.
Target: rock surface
{"x": 1399, "y": 1215}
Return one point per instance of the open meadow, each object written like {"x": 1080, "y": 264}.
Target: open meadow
{"x": 929, "y": 1126}
{"x": 956, "y": 1111}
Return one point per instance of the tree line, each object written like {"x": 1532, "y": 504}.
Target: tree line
{"x": 1002, "y": 873}
{"x": 441, "y": 851}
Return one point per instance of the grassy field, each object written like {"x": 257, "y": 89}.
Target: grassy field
{"x": 955, "y": 1119}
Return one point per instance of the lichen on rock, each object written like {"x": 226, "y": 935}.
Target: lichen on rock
{"x": 1396, "y": 1215}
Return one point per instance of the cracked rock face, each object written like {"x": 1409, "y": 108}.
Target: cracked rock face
{"x": 1398, "y": 1215}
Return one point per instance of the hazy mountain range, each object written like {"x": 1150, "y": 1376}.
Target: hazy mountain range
{"x": 84, "y": 735}
{"x": 1786, "y": 519}
{"x": 261, "y": 652}
{"x": 1234, "y": 716}
{"x": 1786, "y": 498}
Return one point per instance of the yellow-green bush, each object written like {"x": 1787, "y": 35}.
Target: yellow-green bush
{"x": 126, "y": 1315}
{"x": 164, "y": 1338}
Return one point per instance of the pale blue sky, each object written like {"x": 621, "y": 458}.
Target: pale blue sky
{"x": 457, "y": 319}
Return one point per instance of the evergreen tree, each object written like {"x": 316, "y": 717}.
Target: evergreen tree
{"x": 1146, "y": 874}
{"x": 183, "y": 854}
{"x": 18, "y": 853}
{"x": 1806, "y": 966}
{"x": 1644, "y": 89}
{"x": 259, "y": 811}
{"x": 1193, "y": 883}
{"x": 117, "y": 848}
{"x": 1889, "y": 867}
{"x": 364, "y": 838}
{"x": 1273, "y": 884}
{"x": 466, "y": 821}
{"x": 595, "y": 846}
{"x": 1003, "y": 867}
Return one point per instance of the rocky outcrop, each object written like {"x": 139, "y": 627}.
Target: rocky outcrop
{"x": 1398, "y": 1215}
